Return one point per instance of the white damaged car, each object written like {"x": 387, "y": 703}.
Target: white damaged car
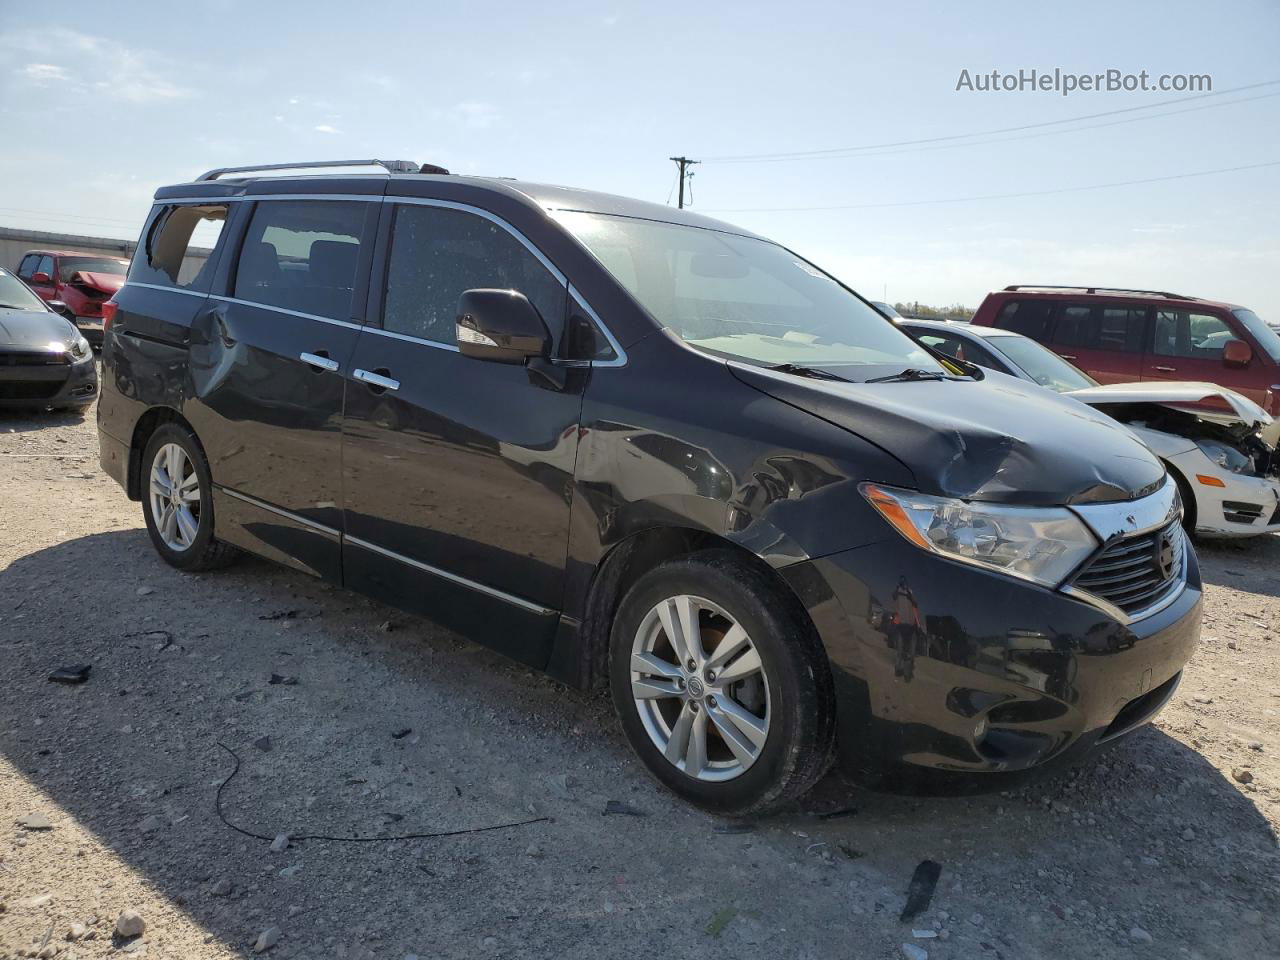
{"x": 1218, "y": 445}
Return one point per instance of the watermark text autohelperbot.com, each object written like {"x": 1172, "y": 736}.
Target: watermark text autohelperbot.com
{"x": 1066, "y": 82}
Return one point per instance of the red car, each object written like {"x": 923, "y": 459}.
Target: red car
{"x": 81, "y": 281}
{"x": 1121, "y": 336}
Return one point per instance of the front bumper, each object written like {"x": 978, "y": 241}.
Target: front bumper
{"x": 991, "y": 678}
{"x": 1242, "y": 506}
{"x": 49, "y": 385}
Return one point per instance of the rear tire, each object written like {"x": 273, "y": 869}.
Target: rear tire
{"x": 177, "y": 501}
{"x": 746, "y": 713}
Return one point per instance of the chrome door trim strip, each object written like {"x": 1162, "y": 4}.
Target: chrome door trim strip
{"x": 410, "y": 339}
{"x": 164, "y": 289}
{"x": 279, "y": 512}
{"x": 451, "y": 577}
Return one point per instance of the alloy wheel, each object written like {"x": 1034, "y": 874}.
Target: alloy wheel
{"x": 175, "y": 497}
{"x": 700, "y": 688}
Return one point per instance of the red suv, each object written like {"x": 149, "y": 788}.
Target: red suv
{"x": 1120, "y": 336}
{"x": 82, "y": 281}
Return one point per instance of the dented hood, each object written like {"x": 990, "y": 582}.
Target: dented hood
{"x": 1205, "y": 400}
{"x": 999, "y": 439}
{"x": 106, "y": 282}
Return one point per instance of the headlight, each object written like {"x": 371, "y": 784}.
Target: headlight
{"x": 1042, "y": 544}
{"x": 1228, "y": 458}
{"x": 80, "y": 348}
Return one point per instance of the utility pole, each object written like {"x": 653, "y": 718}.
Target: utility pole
{"x": 684, "y": 163}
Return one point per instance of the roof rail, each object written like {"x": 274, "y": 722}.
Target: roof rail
{"x": 1058, "y": 286}
{"x": 391, "y": 166}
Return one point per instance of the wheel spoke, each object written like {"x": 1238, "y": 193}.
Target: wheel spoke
{"x": 160, "y": 485}
{"x": 695, "y": 757}
{"x": 733, "y": 643}
{"x": 189, "y": 489}
{"x": 680, "y": 622}
{"x": 167, "y": 522}
{"x": 654, "y": 665}
{"x": 740, "y": 669}
{"x": 741, "y": 745}
{"x": 186, "y": 523}
{"x": 651, "y": 688}
{"x": 678, "y": 744}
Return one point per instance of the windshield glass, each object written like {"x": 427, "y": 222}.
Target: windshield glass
{"x": 1267, "y": 338}
{"x": 70, "y": 266}
{"x": 1042, "y": 365}
{"x": 748, "y": 299}
{"x": 15, "y": 295}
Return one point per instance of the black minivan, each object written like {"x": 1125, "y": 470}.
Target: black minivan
{"x": 633, "y": 446}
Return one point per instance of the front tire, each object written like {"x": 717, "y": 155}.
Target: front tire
{"x": 721, "y": 685}
{"x": 177, "y": 501}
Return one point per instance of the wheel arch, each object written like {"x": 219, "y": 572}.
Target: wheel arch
{"x": 147, "y": 425}
{"x": 1190, "y": 509}
{"x": 630, "y": 559}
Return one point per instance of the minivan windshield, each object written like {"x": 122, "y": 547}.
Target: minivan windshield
{"x": 748, "y": 299}
{"x": 1266, "y": 337}
{"x": 14, "y": 295}
{"x": 68, "y": 267}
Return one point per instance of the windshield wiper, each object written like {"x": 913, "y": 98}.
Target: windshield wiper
{"x": 911, "y": 373}
{"x": 802, "y": 371}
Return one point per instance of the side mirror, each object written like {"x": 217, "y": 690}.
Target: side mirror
{"x": 57, "y": 306}
{"x": 41, "y": 277}
{"x": 1236, "y": 353}
{"x": 501, "y": 325}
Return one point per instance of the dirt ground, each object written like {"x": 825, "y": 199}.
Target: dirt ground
{"x": 1155, "y": 848}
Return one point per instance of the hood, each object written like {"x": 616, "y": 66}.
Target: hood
{"x": 1206, "y": 401}
{"x": 33, "y": 329}
{"x": 106, "y": 282}
{"x": 998, "y": 439}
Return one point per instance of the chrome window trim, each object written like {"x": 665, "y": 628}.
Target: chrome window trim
{"x": 280, "y": 512}
{"x": 620, "y": 354}
{"x": 162, "y": 287}
{"x": 293, "y": 313}
{"x": 452, "y": 577}
{"x": 438, "y": 344}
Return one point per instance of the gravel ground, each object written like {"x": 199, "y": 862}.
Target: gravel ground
{"x": 1156, "y": 848}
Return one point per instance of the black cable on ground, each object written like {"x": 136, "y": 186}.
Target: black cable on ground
{"x": 320, "y": 836}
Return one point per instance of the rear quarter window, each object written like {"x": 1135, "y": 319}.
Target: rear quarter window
{"x": 1027, "y": 317}
{"x": 177, "y": 246}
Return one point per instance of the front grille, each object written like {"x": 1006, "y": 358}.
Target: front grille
{"x": 29, "y": 389}
{"x": 1137, "y": 572}
{"x": 32, "y": 358}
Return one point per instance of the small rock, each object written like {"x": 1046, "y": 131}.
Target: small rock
{"x": 924, "y": 934}
{"x": 291, "y": 871}
{"x": 976, "y": 919}
{"x": 533, "y": 850}
{"x": 1188, "y": 834}
{"x": 151, "y": 824}
{"x": 1138, "y": 935}
{"x": 294, "y": 911}
{"x": 1231, "y": 645}
{"x": 1203, "y": 699}
{"x": 489, "y": 943}
{"x": 41, "y": 901}
{"x": 913, "y": 952}
{"x": 401, "y": 733}
{"x": 280, "y": 843}
{"x": 386, "y": 626}
{"x": 35, "y": 821}
{"x": 222, "y": 888}
{"x": 1255, "y": 745}
{"x": 267, "y": 939}
{"x": 130, "y": 924}
{"x": 77, "y": 931}
{"x": 1242, "y": 774}
{"x": 145, "y": 591}
{"x": 263, "y": 744}
{"x": 561, "y": 786}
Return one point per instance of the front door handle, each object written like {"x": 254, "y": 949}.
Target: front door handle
{"x": 1066, "y": 356}
{"x": 376, "y": 381}
{"x": 1167, "y": 369}
{"x": 319, "y": 361}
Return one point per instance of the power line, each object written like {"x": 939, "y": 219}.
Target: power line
{"x": 806, "y": 154}
{"x": 999, "y": 196}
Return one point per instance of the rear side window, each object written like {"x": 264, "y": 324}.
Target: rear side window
{"x": 1112, "y": 329}
{"x": 1027, "y": 317}
{"x": 302, "y": 255}
{"x": 438, "y": 253}
{"x": 178, "y": 246}
{"x": 1181, "y": 333}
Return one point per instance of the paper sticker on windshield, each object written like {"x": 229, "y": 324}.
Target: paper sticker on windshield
{"x": 810, "y": 269}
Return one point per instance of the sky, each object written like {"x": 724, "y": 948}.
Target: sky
{"x": 99, "y": 109}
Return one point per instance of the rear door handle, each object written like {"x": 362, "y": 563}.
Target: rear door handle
{"x": 376, "y": 380}
{"x": 318, "y": 360}
{"x": 1167, "y": 369}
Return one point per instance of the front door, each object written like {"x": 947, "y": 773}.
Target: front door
{"x": 1187, "y": 345}
{"x": 458, "y": 471}
{"x": 267, "y": 365}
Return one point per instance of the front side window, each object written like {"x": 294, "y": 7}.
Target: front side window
{"x": 1027, "y": 317}
{"x": 1182, "y": 333}
{"x": 745, "y": 298}
{"x": 45, "y": 266}
{"x": 302, "y": 255}
{"x": 437, "y": 254}
{"x": 177, "y": 247}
